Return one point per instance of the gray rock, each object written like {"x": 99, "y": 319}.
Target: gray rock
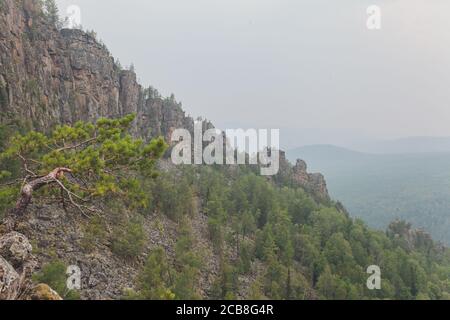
{"x": 9, "y": 281}
{"x": 16, "y": 248}
{"x": 51, "y": 77}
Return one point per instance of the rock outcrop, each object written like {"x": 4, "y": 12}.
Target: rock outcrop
{"x": 314, "y": 182}
{"x": 17, "y": 265}
{"x": 49, "y": 77}
{"x": 42, "y": 292}
{"x": 298, "y": 175}
{"x": 9, "y": 281}
{"x": 104, "y": 275}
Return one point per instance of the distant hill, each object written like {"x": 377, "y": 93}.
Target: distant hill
{"x": 407, "y": 145}
{"x": 383, "y": 187}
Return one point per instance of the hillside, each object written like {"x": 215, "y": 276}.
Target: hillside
{"x": 49, "y": 77}
{"x": 83, "y": 183}
{"x": 380, "y": 188}
{"x": 407, "y": 145}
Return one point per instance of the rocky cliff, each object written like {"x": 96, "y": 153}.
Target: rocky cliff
{"x": 49, "y": 77}
{"x": 298, "y": 176}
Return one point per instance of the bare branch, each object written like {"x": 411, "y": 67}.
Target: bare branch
{"x": 25, "y": 165}
{"x": 29, "y": 187}
{"x": 77, "y": 145}
{"x": 80, "y": 207}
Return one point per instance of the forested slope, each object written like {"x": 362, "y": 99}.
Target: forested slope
{"x": 187, "y": 232}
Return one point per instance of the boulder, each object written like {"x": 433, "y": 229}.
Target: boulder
{"x": 42, "y": 292}
{"x": 9, "y": 281}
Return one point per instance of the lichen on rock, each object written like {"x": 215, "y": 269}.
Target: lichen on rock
{"x": 42, "y": 292}
{"x": 9, "y": 281}
{"x": 17, "y": 265}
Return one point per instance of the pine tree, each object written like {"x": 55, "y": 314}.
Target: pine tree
{"x": 51, "y": 12}
{"x": 154, "y": 280}
{"x": 188, "y": 264}
{"x": 81, "y": 164}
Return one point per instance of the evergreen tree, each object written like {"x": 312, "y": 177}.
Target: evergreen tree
{"x": 187, "y": 264}
{"x": 82, "y": 163}
{"x": 155, "y": 279}
{"x": 51, "y": 12}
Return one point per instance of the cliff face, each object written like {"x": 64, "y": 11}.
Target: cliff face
{"x": 298, "y": 176}
{"x": 314, "y": 182}
{"x": 48, "y": 77}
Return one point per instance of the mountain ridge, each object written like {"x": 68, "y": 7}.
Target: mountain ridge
{"x": 208, "y": 232}
{"x": 54, "y": 77}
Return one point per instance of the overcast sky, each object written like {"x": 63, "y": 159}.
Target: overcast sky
{"x": 309, "y": 67}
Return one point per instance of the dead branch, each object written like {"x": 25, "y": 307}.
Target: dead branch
{"x": 65, "y": 148}
{"x": 25, "y": 165}
{"x": 29, "y": 187}
{"x": 71, "y": 195}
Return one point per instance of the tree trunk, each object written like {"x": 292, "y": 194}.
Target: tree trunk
{"x": 26, "y": 194}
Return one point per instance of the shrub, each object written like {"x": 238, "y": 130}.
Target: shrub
{"x": 154, "y": 281}
{"x": 54, "y": 275}
{"x": 173, "y": 196}
{"x": 129, "y": 240}
{"x": 94, "y": 232}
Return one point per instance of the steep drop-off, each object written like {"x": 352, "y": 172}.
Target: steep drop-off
{"x": 210, "y": 232}
{"x": 49, "y": 77}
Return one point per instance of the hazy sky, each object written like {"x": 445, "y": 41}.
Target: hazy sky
{"x": 309, "y": 67}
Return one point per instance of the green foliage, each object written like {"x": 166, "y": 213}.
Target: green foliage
{"x": 95, "y": 233}
{"x": 292, "y": 246}
{"x": 246, "y": 255}
{"x": 382, "y": 187}
{"x": 54, "y": 275}
{"x": 331, "y": 286}
{"x": 51, "y": 12}
{"x": 8, "y": 170}
{"x": 104, "y": 159}
{"x": 225, "y": 286}
{"x": 128, "y": 241}
{"x": 256, "y": 291}
{"x": 216, "y": 233}
{"x": 155, "y": 279}
{"x": 152, "y": 93}
{"x": 160, "y": 280}
{"x": 187, "y": 264}
{"x": 172, "y": 196}
{"x": 7, "y": 197}
{"x": 310, "y": 249}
